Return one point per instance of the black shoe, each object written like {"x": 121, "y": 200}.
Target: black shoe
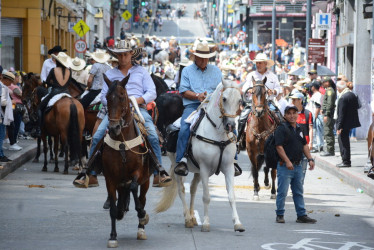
{"x": 238, "y": 170}
{"x": 107, "y": 203}
{"x": 327, "y": 154}
{"x": 4, "y": 159}
{"x": 280, "y": 219}
{"x": 371, "y": 173}
{"x": 181, "y": 169}
{"x": 343, "y": 165}
{"x": 305, "y": 219}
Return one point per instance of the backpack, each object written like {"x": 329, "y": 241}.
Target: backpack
{"x": 270, "y": 151}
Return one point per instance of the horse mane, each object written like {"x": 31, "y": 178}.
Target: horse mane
{"x": 161, "y": 86}
{"x": 41, "y": 91}
{"x": 257, "y": 90}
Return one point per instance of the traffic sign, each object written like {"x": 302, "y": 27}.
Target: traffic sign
{"x": 126, "y": 25}
{"x": 80, "y": 46}
{"x": 323, "y": 21}
{"x": 81, "y": 28}
{"x": 316, "y": 51}
{"x": 126, "y": 15}
{"x": 241, "y": 35}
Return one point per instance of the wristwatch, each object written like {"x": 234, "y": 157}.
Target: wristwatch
{"x": 310, "y": 160}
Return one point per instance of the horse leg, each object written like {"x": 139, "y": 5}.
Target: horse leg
{"x": 120, "y": 203}
{"x": 139, "y": 207}
{"x": 50, "y": 149}
{"x": 66, "y": 150}
{"x": 55, "y": 148}
{"x": 256, "y": 186}
{"x": 266, "y": 181}
{"x": 112, "y": 242}
{"x": 45, "y": 151}
{"x": 193, "y": 188}
{"x": 36, "y": 159}
{"x": 187, "y": 216}
{"x": 206, "y": 198}
{"x": 62, "y": 151}
{"x": 273, "y": 178}
{"x": 229, "y": 179}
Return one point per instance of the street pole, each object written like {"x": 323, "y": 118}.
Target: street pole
{"x": 308, "y": 23}
{"x": 273, "y": 28}
{"x": 58, "y": 34}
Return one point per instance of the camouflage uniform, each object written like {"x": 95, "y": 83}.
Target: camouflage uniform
{"x": 328, "y": 108}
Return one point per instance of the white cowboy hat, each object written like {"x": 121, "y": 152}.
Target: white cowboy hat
{"x": 261, "y": 57}
{"x": 125, "y": 46}
{"x": 77, "y": 64}
{"x": 100, "y": 56}
{"x": 169, "y": 74}
{"x": 172, "y": 37}
{"x": 185, "y": 62}
{"x": 157, "y": 64}
{"x": 203, "y": 51}
{"x": 63, "y": 58}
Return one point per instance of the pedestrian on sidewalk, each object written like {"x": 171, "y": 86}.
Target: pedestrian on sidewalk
{"x": 328, "y": 109}
{"x": 347, "y": 111}
{"x": 290, "y": 143}
{"x": 155, "y": 24}
{"x": 18, "y": 109}
{"x": 314, "y": 105}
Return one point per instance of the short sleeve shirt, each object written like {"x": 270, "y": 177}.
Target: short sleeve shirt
{"x": 292, "y": 139}
{"x": 98, "y": 69}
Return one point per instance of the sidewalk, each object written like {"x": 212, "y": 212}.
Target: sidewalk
{"x": 354, "y": 175}
{"x": 18, "y": 157}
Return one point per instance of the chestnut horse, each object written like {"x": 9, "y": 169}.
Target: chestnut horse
{"x": 127, "y": 167}
{"x": 261, "y": 123}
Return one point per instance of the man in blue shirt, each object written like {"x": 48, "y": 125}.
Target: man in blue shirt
{"x": 141, "y": 86}
{"x": 197, "y": 80}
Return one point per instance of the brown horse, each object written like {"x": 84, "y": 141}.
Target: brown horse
{"x": 64, "y": 121}
{"x": 261, "y": 123}
{"x": 124, "y": 168}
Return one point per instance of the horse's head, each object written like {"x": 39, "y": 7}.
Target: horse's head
{"x": 259, "y": 100}
{"x": 229, "y": 104}
{"x": 30, "y": 82}
{"x": 119, "y": 113}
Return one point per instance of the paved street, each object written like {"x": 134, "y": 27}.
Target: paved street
{"x": 60, "y": 216}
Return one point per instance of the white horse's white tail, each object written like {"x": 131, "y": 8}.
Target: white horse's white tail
{"x": 168, "y": 194}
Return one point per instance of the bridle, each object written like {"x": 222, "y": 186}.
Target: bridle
{"x": 122, "y": 121}
{"x": 221, "y": 109}
{"x": 264, "y": 106}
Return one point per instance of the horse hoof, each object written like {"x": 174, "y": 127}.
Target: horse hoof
{"x": 56, "y": 170}
{"x": 239, "y": 228}
{"x": 268, "y": 187}
{"x": 144, "y": 221}
{"x": 141, "y": 234}
{"x": 112, "y": 244}
{"x": 35, "y": 160}
{"x": 205, "y": 228}
{"x": 189, "y": 224}
{"x": 194, "y": 221}
{"x": 256, "y": 198}
{"x": 273, "y": 196}
{"x": 65, "y": 171}
{"x": 44, "y": 169}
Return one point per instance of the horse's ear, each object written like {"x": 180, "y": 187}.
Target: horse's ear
{"x": 125, "y": 80}
{"x": 225, "y": 83}
{"x": 264, "y": 81}
{"x": 107, "y": 81}
{"x": 253, "y": 81}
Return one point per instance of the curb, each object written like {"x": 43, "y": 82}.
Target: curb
{"x": 18, "y": 159}
{"x": 366, "y": 184}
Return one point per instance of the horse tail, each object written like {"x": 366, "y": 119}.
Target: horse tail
{"x": 168, "y": 194}
{"x": 73, "y": 133}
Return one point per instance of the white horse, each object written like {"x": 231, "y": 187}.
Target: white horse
{"x": 162, "y": 56}
{"x": 222, "y": 109}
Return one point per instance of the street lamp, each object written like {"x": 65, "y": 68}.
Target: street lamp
{"x": 59, "y": 13}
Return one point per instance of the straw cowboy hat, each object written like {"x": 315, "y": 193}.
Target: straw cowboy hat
{"x": 77, "y": 64}
{"x": 185, "y": 62}
{"x": 100, "y": 56}
{"x": 203, "y": 51}
{"x": 169, "y": 74}
{"x": 125, "y": 46}
{"x": 261, "y": 57}
{"x": 172, "y": 38}
{"x": 63, "y": 58}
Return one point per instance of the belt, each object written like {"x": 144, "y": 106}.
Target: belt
{"x": 143, "y": 106}
{"x": 293, "y": 162}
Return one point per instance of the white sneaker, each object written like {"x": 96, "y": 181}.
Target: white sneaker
{"x": 6, "y": 148}
{"x": 7, "y": 140}
{"x": 15, "y": 147}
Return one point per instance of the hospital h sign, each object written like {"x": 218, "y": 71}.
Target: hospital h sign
{"x": 323, "y": 21}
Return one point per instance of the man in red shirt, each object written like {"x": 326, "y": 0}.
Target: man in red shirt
{"x": 305, "y": 121}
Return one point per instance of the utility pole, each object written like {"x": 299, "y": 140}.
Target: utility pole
{"x": 273, "y": 28}
{"x": 308, "y": 23}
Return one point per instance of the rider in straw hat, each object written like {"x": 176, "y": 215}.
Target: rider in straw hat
{"x": 78, "y": 72}
{"x": 50, "y": 63}
{"x": 198, "y": 80}
{"x": 59, "y": 79}
{"x": 95, "y": 79}
{"x": 141, "y": 86}
{"x": 272, "y": 85}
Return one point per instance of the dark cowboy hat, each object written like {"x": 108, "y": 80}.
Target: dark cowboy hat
{"x": 56, "y": 49}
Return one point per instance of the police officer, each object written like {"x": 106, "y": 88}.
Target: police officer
{"x": 328, "y": 108}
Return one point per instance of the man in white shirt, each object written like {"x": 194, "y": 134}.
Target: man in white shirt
{"x": 272, "y": 85}
{"x": 164, "y": 44}
{"x": 50, "y": 63}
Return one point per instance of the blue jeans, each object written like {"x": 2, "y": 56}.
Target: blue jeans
{"x": 152, "y": 135}
{"x": 318, "y": 132}
{"x": 2, "y": 137}
{"x": 295, "y": 178}
{"x": 184, "y": 132}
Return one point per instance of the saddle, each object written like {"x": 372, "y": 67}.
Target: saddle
{"x": 93, "y": 108}
{"x": 55, "y": 98}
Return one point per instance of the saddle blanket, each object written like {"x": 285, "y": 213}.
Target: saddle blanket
{"x": 95, "y": 101}
{"x": 56, "y": 98}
